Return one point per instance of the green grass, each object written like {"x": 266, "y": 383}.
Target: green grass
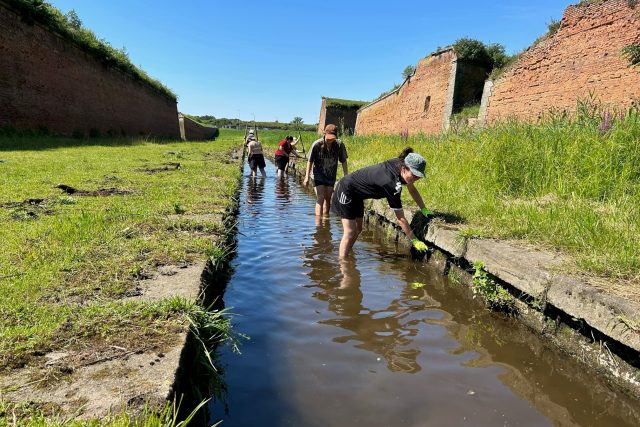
{"x": 25, "y": 415}
{"x": 66, "y": 264}
{"x": 571, "y": 184}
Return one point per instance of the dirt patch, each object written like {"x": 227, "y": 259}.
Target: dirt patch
{"x": 28, "y": 209}
{"x": 99, "y": 192}
{"x": 171, "y": 166}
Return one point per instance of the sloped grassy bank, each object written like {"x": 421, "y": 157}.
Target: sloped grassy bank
{"x": 86, "y": 268}
{"x": 571, "y": 185}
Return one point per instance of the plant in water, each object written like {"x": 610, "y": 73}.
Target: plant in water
{"x": 495, "y": 296}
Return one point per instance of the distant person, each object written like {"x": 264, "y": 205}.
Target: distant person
{"x": 285, "y": 148}
{"x": 324, "y": 155}
{"x": 255, "y": 157}
{"x": 386, "y": 180}
{"x": 249, "y": 137}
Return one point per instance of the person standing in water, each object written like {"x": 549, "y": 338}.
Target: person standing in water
{"x": 285, "y": 148}
{"x": 323, "y": 159}
{"x": 386, "y": 180}
{"x": 256, "y": 157}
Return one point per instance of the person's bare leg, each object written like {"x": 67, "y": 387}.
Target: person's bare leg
{"x": 264, "y": 174}
{"x": 328, "y": 192}
{"x": 349, "y": 236}
{"x": 319, "y": 199}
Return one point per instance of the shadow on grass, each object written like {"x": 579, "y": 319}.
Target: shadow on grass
{"x": 39, "y": 142}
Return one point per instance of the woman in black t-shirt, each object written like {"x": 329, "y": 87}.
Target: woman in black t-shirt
{"x": 375, "y": 182}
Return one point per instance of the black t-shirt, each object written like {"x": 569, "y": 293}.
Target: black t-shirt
{"x": 376, "y": 182}
{"x": 325, "y": 163}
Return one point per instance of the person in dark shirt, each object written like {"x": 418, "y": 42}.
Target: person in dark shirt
{"x": 386, "y": 180}
{"x": 324, "y": 156}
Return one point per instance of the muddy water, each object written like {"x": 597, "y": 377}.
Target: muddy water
{"x": 359, "y": 343}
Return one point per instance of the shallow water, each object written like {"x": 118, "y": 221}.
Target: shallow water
{"x": 360, "y": 343}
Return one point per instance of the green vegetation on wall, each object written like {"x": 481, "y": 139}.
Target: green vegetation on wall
{"x": 632, "y": 53}
{"x": 70, "y": 27}
{"x": 344, "y": 104}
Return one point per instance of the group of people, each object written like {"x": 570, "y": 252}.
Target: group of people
{"x": 383, "y": 180}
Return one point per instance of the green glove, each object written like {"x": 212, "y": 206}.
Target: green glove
{"x": 426, "y": 212}
{"x": 418, "y": 245}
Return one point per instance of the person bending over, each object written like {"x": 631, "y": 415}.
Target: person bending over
{"x": 285, "y": 147}
{"x": 386, "y": 180}
{"x": 323, "y": 159}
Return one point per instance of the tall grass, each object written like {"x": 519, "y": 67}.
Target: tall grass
{"x": 571, "y": 183}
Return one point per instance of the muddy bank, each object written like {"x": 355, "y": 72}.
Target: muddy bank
{"x": 600, "y": 330}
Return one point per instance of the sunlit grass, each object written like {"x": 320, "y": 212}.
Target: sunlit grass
{"x": 572, "y": 184}
{"x": 67, "y": 263}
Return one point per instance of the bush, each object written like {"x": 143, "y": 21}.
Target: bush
{"x": 632, "y": 53}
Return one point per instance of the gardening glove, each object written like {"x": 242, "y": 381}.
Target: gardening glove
{"x": 419, "y": 245}
{"x": 426, "y": 212}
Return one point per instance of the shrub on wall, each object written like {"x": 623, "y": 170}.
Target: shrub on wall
{"x": 70, "y": 27}
{"x": 632, "y": 53}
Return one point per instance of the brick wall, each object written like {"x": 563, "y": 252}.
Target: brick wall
{"x": 48, "y": 82}
{"x": 343, "y": 117}
{"x": 194, "y": 131}
{"x": 406, "y": 109}
{"x": 583, "y": 57}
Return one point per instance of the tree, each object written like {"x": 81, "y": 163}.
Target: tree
{"x": 408, "y": 71}
{"x": 297, "y": 121}
{"x": 73, "y": 19}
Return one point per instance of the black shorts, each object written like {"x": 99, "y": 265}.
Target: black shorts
{"x": 281, "y": 162}
{"x": 256, "y": 161}
{"x": 345, "y": 206}
{"x": 320, "y": 181}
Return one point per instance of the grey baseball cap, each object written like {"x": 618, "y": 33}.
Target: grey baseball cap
{"x": 416, "y": 163}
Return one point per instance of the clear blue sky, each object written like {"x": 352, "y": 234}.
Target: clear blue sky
{"x": 275, "y": 59}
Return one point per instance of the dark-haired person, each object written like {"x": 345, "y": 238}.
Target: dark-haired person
{"x": 324, "y": 156}
{"x": 285, "y": 147}
{"x": 256, "y": 157}
{"x": 386, "y": 180}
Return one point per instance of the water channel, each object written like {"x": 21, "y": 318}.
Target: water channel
{"x": 360, "y": 343}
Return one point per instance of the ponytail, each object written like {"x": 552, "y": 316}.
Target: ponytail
{"x": 404, "y": 153}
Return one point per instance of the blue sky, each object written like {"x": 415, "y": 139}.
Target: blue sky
{"x": 275, "y": 59}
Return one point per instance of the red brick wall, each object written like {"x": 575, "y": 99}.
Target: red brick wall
{"x": 47, "y": 82}
{"x": 404, "y": 110}
{"x": 582, "y": 57}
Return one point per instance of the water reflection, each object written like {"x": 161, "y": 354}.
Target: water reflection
{"x": 283, "y": 193}
{"x": 382, "y": 332}
{"x": 255, "y": 194}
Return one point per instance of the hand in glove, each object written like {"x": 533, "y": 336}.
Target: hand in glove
{"x": 418, "y": 245}
{"x": 426, "y": 212}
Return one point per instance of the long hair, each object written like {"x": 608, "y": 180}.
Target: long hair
{"x": 404, "y": 153}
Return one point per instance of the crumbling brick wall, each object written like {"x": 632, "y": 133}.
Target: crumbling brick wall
{"x": 581, "y": 59}
{"x": 419, "y": 105}
{"x": 46, "y": 82}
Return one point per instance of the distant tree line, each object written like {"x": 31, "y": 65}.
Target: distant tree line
{"x": 295, "y": 124}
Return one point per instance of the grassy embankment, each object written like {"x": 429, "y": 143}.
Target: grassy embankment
{"x": 568, "y": 184}
{"x": 68, "y": 262}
